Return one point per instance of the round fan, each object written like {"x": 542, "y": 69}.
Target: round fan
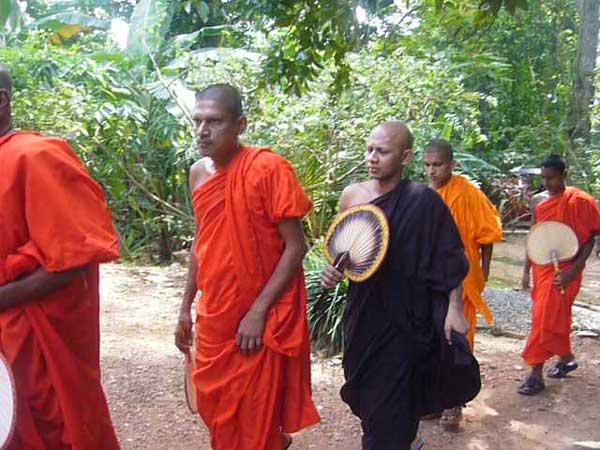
{"x": 188, "y": 382}
{"x": 551, "y": 242}
{"x": 357, "y": 241}
{"x": 8, "y": 402}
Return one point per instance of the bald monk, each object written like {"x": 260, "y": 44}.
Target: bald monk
{"x": 551, "y": 312}
{"x": 405, "y": 352}
{"x": 55, "y": 229}
{"x": 253, "y": 353}
{"x": 479, "y": 225}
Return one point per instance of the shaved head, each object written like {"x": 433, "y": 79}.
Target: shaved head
{"x": 5, "y": 79}
{"x": 398, "y": 132}
{"x": 224, "y": 94}
{"x": 442, "y": 148}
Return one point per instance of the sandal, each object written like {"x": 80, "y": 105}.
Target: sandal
{"x": 560, "y": 370}
{"x": 431, "y": 416}
{"x": 532, "y": 386}
{"x": 451, "y": 418}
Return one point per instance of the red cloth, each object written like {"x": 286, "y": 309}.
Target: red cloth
{"x": 54, "y": 216}
{"x": 246, "y": 401}
{"x": 551, "y": 314}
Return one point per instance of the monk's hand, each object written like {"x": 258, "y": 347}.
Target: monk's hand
{"x": 525, "y": 282}
{"x": 183, "y": 333}
{"x": 249, "y": 336}
{"x": 563, "y": 278}
{"x": 455, "y": 321}
{"x": 331, "y": 277}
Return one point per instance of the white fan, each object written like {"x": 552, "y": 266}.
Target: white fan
{"x": 8, "y": 403}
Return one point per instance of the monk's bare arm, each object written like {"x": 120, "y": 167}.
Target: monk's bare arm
{"x": 487, "y": 250}
{"x": 562, "y": 279}
{"x": 250, "y": 331}
{"x": 35, "y": 286}
{"x": 455, "y": 319}
{"x": 525, "y": 281}
{"x": 183, "y": 331}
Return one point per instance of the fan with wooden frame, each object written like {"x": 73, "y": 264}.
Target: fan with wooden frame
{"x": 357, "y": 241}
{"x": 189, "y": 387}
{"x": 551, "y": 242}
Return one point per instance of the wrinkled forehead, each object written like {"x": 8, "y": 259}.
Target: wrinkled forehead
{"x": 210, "y": 109}
{"x": 434, "y": 156}
{"x": 551, "y": 172}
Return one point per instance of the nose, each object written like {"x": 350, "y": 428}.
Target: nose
{"x": 202, "y": 130}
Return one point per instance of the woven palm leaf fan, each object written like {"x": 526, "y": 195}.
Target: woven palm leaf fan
{"x": 188, "y": 383}
{"x": 8, "y": 404}
{"x": 551, "y": 242}
{"x": 357, "y": 241}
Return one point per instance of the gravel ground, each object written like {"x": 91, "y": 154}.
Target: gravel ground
{"x": 512, "y": 310}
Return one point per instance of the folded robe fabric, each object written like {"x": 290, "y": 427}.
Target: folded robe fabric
{"x": 248, "y": 400}
{"x": 479, "y": 224}
{"x": 551, "y": 312}
{"x": 54, "y": 216}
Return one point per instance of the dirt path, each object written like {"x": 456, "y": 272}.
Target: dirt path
{"x": 143, "y": 380}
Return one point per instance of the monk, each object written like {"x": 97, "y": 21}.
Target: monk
{"x": 55, "y": 228}
{"x": 405, "y": 352}
{"x": 253, "y": 352}
{"x": 479, "y": 226}
{"x": 553, "y": 293}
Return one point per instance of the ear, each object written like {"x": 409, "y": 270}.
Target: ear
{"x": 4, "y": 98}
{"x": 453, "y": 164}
{"x": 407, "y": 157}
{"x": 242, "y": 124}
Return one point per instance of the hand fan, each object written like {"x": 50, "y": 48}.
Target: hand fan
{"x": 357, "y": 241}
{"x": 551, "y": 242}
{"x": 8, "y": 403}
{"x": 188, "y": 382}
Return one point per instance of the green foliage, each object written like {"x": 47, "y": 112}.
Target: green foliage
{"x": 325, "y": 308}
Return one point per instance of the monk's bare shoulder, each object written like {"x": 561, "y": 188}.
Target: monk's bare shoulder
{"x": 200, "y": 171}
{"x": 538, "y": 198}
{"x": 357, "y": 194}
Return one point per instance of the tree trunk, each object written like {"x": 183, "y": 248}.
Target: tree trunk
{"x": 585, "y": 64}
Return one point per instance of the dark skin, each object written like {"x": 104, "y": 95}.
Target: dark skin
{"x": 438, "y": 168}
{"x": 386, "y": 156}
{"x": 218, "y": 136}
{"x": 554, "y": 181}
{"x": 40, "y": 283}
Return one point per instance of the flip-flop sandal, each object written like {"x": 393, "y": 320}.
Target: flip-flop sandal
{"x": 532, "y": 386}
{"x": 431, "y": 416}
{"x": 560, "y": 370}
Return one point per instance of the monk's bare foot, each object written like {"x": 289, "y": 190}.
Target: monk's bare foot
{"x": 567, "y": 359}
{"x": 451, "y": 418}
{"x": 286, "y": 441}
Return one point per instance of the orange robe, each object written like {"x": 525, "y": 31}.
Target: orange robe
{"x": 479, "y": 224}
{"x": 246, "y": 401}
{"x": 54, "y": 216}
{"x": 551, "y": 312}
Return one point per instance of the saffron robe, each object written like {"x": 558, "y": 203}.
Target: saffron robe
{"x": 479, "y": 224}
{"x": 248, "y": 400}
{"x": 397, "y": 363}
{"x": 551, "y": 312}
{"x": 54, "y": 216}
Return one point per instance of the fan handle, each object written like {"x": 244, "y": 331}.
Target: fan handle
{"x": 554, "y": 257}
